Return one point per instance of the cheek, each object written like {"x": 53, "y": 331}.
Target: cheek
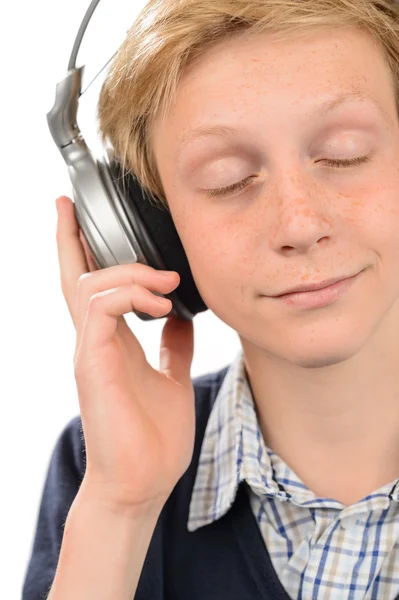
{"x": 207, "y": 243}
{"x": 218, "y": 254}
{"x": 372, "y": 212}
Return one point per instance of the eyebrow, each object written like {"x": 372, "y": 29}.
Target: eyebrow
{"x": 323, "y": 110}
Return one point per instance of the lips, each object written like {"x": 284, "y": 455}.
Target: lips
{"x": 311, "y": 287}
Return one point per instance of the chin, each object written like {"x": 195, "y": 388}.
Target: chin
{"x": 315, "y": 347}
{"x": 319, "y": 342}
{"x": 326, "y": 359}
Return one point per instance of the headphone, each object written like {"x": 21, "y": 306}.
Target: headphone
{"x": 117, "y": 219}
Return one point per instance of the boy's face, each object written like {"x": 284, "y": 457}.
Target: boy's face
{"x": 300, "y": 220}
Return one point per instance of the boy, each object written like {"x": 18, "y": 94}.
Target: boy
{"x": 278, "y": 157}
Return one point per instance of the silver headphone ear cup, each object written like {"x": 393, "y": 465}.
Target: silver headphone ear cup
{"x": 103, "y": 225}
{"x": 159, "y": 241}
{"x": 117, "y": 219}
{"x": 96, "y": 215}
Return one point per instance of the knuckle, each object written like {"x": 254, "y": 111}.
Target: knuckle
{"x": 130, "y": 270}
{"x": 82, "y": 280}
{"x": 79, "y": 370}
{"x": 64, "y": 292}
{"x": 63, "y": 284}
{"x": 95, "y": 302}
{"x": 140, "y": 268}
{"x": 77, "y": 362}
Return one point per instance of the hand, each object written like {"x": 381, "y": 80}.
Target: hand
{"x": 138, "y": 422}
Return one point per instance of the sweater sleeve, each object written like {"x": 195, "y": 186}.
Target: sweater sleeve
{"x": 64, "y": 476}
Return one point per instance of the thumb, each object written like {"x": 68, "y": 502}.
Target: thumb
{"x": 177, "y": 349}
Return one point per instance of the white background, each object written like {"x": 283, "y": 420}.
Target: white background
{"x": 38, "y": 393}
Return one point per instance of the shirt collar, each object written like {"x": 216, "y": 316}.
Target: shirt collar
{"x": 233, "y": 450}
{"x": 226, "y": 458}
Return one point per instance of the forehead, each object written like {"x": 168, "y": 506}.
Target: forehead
{"x": 254, "y": 75}
{"x": 266, "y": 57}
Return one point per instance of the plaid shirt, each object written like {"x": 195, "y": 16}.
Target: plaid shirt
{"x": 319, "y": 548}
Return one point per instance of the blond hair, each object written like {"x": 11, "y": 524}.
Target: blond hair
{"x": 142, "y": 80}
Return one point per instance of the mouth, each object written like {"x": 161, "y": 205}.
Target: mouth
{"x": 314, "y": 287}
{"x": 317, "y": 297}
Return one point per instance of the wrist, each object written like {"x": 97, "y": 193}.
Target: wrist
{"x": 92, "y": 494}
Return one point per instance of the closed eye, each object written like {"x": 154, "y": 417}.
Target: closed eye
{"x": 348, "y": 162}
{"x": 333, "y": 162}
{"x": 231, "y": 188}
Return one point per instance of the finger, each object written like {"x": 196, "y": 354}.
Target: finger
{"x": 104, "y": 280}
{"x": 71, "y": 256}
{"x": 177, "y": 349}
{"x": 88, "y": 253}
{"x": 105, "y": 308}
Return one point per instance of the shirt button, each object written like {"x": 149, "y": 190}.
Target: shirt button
{"x": 348, "y": 522}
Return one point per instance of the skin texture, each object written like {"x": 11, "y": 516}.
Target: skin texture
{"x": 326, "y": 380}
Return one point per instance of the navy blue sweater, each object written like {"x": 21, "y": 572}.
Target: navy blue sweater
{"x": 226, "y": 559}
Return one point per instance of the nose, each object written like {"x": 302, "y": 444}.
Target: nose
{"x": 300, "y": 216}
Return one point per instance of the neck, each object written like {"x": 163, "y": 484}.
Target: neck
{"x": 337, "y": 427}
